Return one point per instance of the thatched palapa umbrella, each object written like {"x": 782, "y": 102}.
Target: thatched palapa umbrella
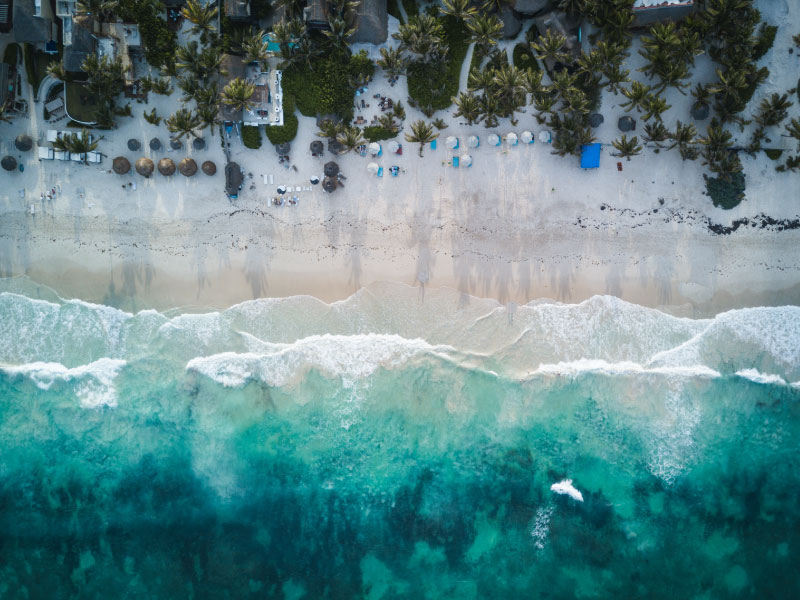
{"x": 155, "y": 144}
{"x": 133, "y": 145}
{"x": 626, "y": 124}
{"x": 334, "y": 146}
{"x": 187, "y": 167}
{"x": 9, "y": 163}
{"x": 166, "y": 167}
{"x": 175, "y": 144}
{"x": 317, "y": 147}
{"x": 144, "y": 167}
{"x": 209, "y": 168}
{"x": 700, "y": 112}
{"x": 283, "y": 148}
{"x": 121, "y": 165}
{"x": 331, "y": 169}
{"x": 329, "y": 184}
{"x": 596, "y": 120}
{"x": 198, "y": 143}
{"x": 23, "y": 143}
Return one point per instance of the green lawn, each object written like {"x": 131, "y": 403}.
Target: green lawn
{"x": 79, "y": 105}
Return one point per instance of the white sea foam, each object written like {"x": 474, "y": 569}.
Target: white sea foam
{"x": 93, "y": 383}
{"x": 565, "y": 487}
{"x": 541, "y": 527}
{"x": 351, "y": 357}
{"x": 578, "y": 367}
{"x": 757, "y": 377}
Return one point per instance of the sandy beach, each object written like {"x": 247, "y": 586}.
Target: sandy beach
{"x": 518, "y": 225}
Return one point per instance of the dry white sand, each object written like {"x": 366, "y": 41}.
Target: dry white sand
{"x": 518, "y": 225}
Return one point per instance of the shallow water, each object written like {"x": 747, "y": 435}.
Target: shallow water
{"x": 389, "y": 447}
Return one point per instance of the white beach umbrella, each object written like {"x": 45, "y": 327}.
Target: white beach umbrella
{"x": 526, "y": 137}
{"x": 372, "y": 167}
{"x": 451, "y": 141}
{"x": 473, "y": 141}
{"x": 494, "y": 139}
{"x": 511, "y": 138}
{"x": 466, "y": 160}
{"x": 393, "y": 146}
{"x": 545, "y": 137}
{"x": 374, "y": 148}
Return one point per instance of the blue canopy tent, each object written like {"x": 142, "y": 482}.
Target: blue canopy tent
{"x": 590, "y": 156}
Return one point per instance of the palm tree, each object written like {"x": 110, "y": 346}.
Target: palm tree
{"x": 467, "y": 107}
{"x": 544, "y": 104}
{"x": 210, "y": 63}
{"x": 637, "y": 96}
{"x": 422, "y": 35}
{"x": 793, "y": 129}
{"x": 627, "y": 147}
{"x": 161, "y": 86}
{"x": 421, "y": 133}
{"x": 207, "y": 116}
{"x": 4, "y": 118}
{"x": 480, "y": 80}
{"x": 392, "y": 62}
{"x": 189, "y": 86}
{"x": 339, "y": 32}
{"x": 684, "y": 139}
{"x": 77, "y": 144}
{"x": 201, "y": 15}
{"x": 655, "y": 132}
{"x": 350, "y": 138}
{"x": 510, "y": 88}
{"x": 490, "y": 110}
{"x": 152, "y": 117}
{"x": 550, "y": 45}
{"x": 187, "y": 58}
{"x": 237, "y": 94}
{"x": 495, "y": 5}
{"x": 773, "y": 110}
{"x": 717, "y": 143}
{"x": 615, "y": 76}
{"x": 460, "y": 9}
{"x": 100, "y": 10}
{"x": 329, "y": 129}
{"x": 655, "y": 106}
{"x": 183, "y": 122}
{"x": 564, "y": 82}
{"x": 399, "y": 111}
{"x": 533, "y": 81}
{"x": 484, "y": 30}
{"x": 207, "y": 96}
{"x": 56, "y": 70}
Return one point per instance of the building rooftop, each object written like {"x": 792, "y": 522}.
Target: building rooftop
{"x": 234, "y": 68}
{"x": 27, "y": 26}
{"x": 83, "y": 44}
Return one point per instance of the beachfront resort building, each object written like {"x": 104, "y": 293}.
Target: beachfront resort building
{"x": 372, "y": 20}
{"x": 654, "y": 11}
{"x": 267, "y": 100}
{"x": 33, "y": 23}
{"x": 111, "y": 39}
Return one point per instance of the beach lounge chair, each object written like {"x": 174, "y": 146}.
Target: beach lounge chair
{"x": 433, "y": 145}
{"x": 455, "y": 162}
{"x": 380, "y": 171}
{"x": 394, "y": 170}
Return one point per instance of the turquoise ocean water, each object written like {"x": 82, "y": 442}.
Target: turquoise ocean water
{"x": 394, "y": 446}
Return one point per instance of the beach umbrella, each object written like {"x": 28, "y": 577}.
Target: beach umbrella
{"x": 700, "y": 112}
{"x": 526, "y": 137}
{"x": 166, "y": 167}
{"x": 545, "y": 137}
{"x": 155, "y": 144}
{"x": 23, "y": 143}
{"x": 9, "y": 163}
{"x": 512, "y": 138}
{"x": 187, "y": 167}
{"x": 121, "y": 165}
{"x": 133, "y": 145}
{"x": 331, "y": 169}
{"x": 283, "y": 149}
{"x": 329, "y": 184}
{"x": 494, "y": 139}
{"x": 144, "y": 167}
{"x": 175, "y": 144}
{"x": 317, "y": 147}
{"x": 626, "y": 124}
{"x": 374, "y": 148}
{"x": 314, "y": 180}
{"x": 373, "y": 167}
{"x": 393, "y": 147}
{"x": 281, "y": 189}
{"x": 334, "y": 146}
{"x": 473, "y": 141}
{"x": 596, "y": 120}
{"x": 466, "y": 160}
{"x": 198, "y": 143}
{"x": 209, "y": 168}
{"x": 451, "y": 142}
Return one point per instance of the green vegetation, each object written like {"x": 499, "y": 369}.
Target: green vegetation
{"x": 412, "y": 8}
{"x": 376, "y": 134}
{"x": 159, "y": 42}
{"x": 764, "y": 41}
{"x": 433, "y": 80}
{"x": 11, "y": 54}
{"x": 773, "y": 153}
{"x": 30, "y": 67}
{"x": 251, "y": 137}
{"x": 524, "y": 58}
{"x": 79, "y": 103}
{"x": 284, "y": 133}
{"x": 393, "y": 9}
{"x": 726, "y": 193}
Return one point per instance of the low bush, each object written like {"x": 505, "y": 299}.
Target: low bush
{"x": 764, "y": 41}
{"x": 726, "y": 194}
{"x": 376, "y": 134}
{"x": 393, "y": 9}
{"x": 444, "y": 75}
{"x": 283, "y": 133}
{"x": 251, "y": 137}
{"x": 411, "y": 6}
{"x": 773, "y": 153}
{"x": 524, "y": 58}
{"x": 11, "y": 55}
{"x": 30, "y": 68}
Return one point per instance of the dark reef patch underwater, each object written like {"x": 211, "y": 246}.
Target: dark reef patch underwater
{"x": 383, "y": 448}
